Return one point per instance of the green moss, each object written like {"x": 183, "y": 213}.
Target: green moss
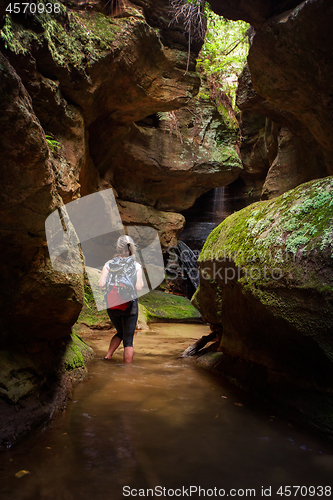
{"x": 75, "y": 39}
{"x": 228, "y": 119}
{"x": 227, "y": 154}
{"x": 276, "y": 222}
{"x": 165, "y": 306}
{"x": 74, "y": 354}
{"x": 15, "y": 37}
{"x": 280, "y": 233}
{"x": 89, "y": 315}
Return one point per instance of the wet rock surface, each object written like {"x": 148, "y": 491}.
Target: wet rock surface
{"x": 36, "y": 381}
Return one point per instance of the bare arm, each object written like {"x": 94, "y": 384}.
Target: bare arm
{"x": 102, "y": 279}
{"x": 139, "y": 281}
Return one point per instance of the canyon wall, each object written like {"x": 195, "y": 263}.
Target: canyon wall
{"x": 284, "y": 94}
{"x": 266, "y": 271}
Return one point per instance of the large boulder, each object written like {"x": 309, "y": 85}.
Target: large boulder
{"x": 267, "y": 283}
{"x": 168, "y": 224}
{"x": 36, "y": 300}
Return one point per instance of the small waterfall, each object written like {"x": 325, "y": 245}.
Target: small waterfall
{"x": 208, "y": 211}
{"x": 219, "y": 202}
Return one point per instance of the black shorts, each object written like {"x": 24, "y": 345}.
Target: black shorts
{"x": 125, "y": 322}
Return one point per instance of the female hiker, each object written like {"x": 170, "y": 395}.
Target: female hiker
{"x": 123, "y": 316}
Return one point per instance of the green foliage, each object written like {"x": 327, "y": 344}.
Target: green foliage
{"x": 74, "y": 354}
{"x": 88, "y": 298}
{"x": 223, "y": 55}
{"x": 52, "y": 143}
{"x": 73, "y": 39}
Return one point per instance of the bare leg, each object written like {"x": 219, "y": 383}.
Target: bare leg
{"x": 115, "y": 341}
{"x": 128, "y": 354}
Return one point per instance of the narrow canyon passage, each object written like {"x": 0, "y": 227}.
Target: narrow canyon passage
{"x": 161, "y": 422}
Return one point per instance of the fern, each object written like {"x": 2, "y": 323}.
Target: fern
{"x": 52, "y": 143}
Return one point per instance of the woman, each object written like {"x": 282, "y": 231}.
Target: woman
{"x": 123, "y": 321}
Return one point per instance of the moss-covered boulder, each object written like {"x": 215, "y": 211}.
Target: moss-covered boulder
{"x": 161, "y": 306}
{"x": 267, "y": 281}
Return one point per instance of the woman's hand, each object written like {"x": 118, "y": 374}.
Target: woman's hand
{"x": 102, "y": 279}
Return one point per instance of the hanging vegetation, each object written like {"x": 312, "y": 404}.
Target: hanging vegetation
{"x": 223, "y": 57}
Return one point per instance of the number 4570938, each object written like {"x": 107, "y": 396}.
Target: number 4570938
{"x": 305, "y": 491}
{"x": 33, "y": 8}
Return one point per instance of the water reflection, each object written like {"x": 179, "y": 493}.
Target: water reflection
{"x": 160, "y": 422}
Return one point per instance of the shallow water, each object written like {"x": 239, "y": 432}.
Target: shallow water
{"x": 162, "y": 422}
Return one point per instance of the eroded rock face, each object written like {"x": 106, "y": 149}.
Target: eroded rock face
{"x": 254, "y": 12}
{"x": 90, "y": 75}
{"x": 278, "y": 152}
{"x": 30, "y": 287}
{"x": 266, "y": 280}
{"x": 97, "y": 79}
{"x": 294, "y": 164}
{"x": 170, "y": 159}
{"x": 295, "y": 48}
{"x": 169, "y": 225}
{"x": 38, "y": 304}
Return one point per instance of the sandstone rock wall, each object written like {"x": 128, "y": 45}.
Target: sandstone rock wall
{"x": 170, "y": 158}
{"x": 278, "y": 152}
{"x": 38, "y": 304}
{"x": 29, "y": 305}
{"x": 287, "y": 85}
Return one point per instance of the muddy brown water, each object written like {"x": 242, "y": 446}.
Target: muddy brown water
{"x": 163, "y": 422}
